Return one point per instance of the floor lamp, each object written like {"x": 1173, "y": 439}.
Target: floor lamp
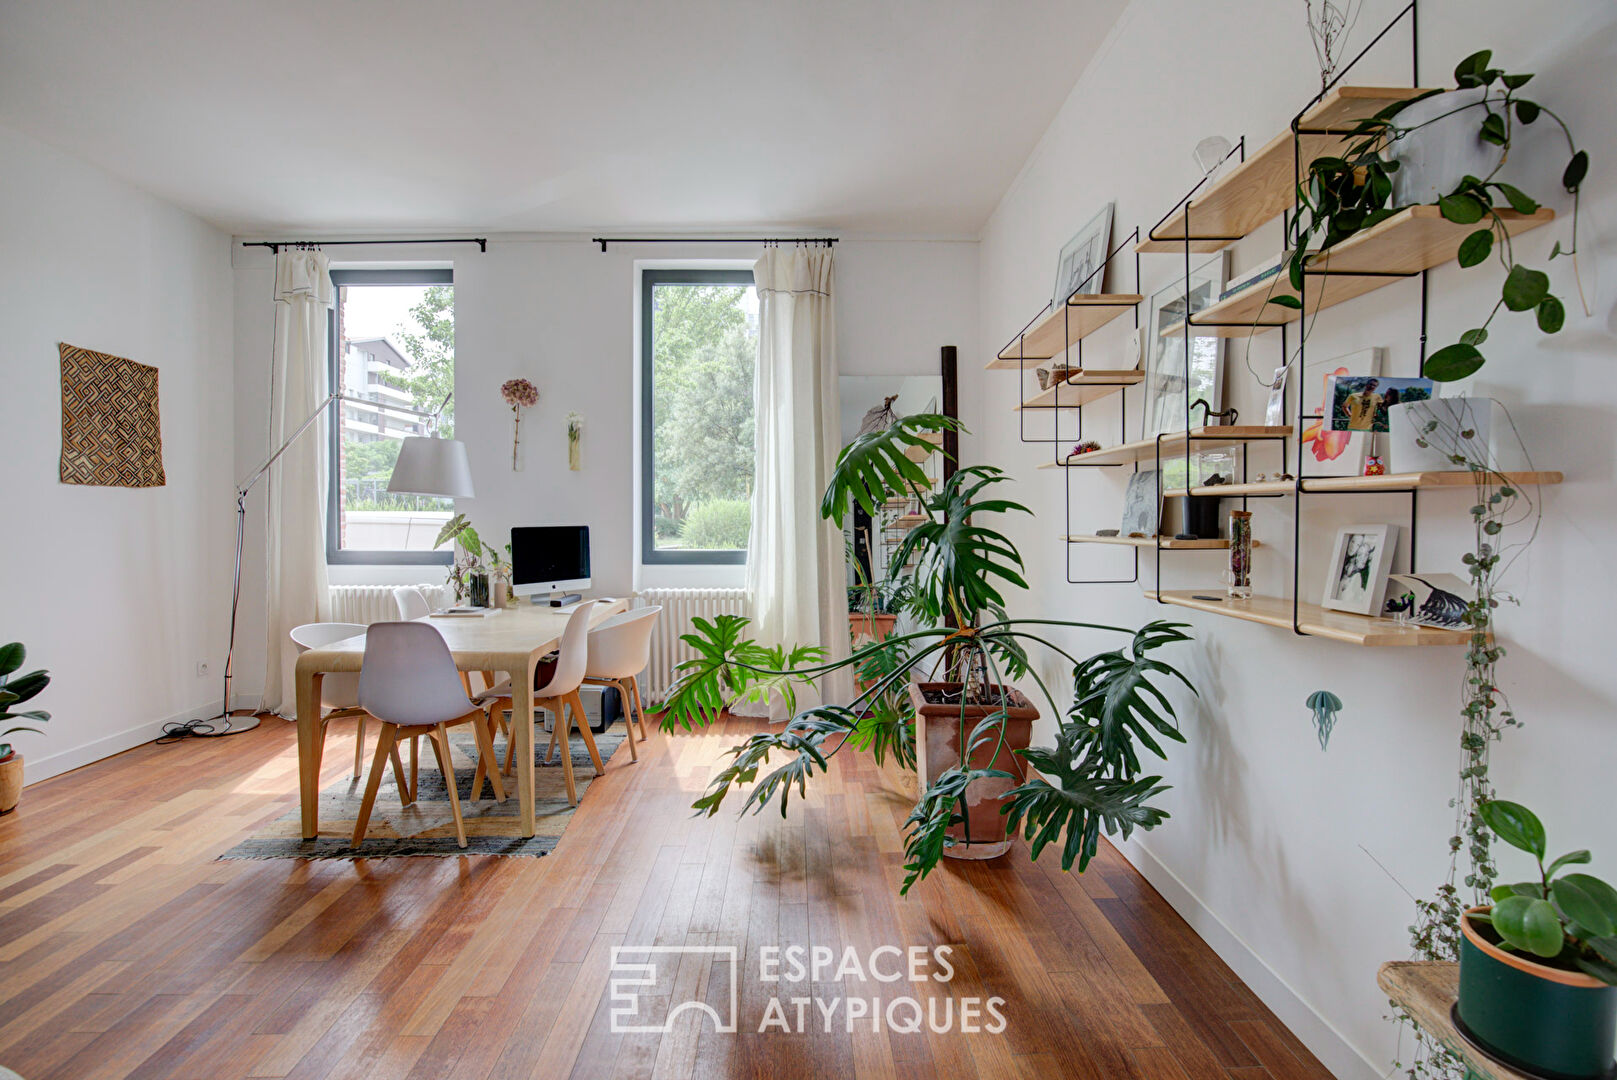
{"x": 426, "y": 465}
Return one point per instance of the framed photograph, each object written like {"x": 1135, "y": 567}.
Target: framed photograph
{"x": 1140, "y": 507}
{"x": 1430, "y": 599}
{"x": 1357, "y": 573}
{"x": 1167, "y": 395}
{"x": 1335, "y": 452}
{"x": 1083, "y": 259}
{"x": 1360, "y": 403}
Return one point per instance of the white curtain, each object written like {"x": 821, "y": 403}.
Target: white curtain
{"x": 295, "y": 586}
{"x": 795, "y": 559}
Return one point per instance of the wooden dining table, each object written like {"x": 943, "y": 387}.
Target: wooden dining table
{"x": 511, "y": 642}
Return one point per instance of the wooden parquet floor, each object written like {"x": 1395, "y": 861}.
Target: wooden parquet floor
{"x": 128, "y": 950}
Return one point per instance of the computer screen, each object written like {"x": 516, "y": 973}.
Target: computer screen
{"x": 548, "y": 557}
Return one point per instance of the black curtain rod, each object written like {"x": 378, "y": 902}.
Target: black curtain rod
{"x": 275, "y": 246}
{"x": 777, "y": 240}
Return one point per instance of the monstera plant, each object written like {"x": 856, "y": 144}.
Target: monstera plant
{"x": 1088, "y": 781}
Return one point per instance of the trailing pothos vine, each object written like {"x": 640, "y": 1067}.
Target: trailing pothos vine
{"x": 1346, "y": 194}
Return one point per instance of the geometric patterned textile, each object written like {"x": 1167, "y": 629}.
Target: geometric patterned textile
{"x": 111, "y": 432}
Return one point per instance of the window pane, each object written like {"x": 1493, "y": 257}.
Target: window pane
{"x": 704, "y": 347}
{"x": 396, "y": 345}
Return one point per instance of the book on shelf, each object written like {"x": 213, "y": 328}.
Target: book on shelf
{"x": 1269, "y": 268}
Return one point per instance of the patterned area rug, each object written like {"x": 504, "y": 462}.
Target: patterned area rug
{"x": 426, "y": 827}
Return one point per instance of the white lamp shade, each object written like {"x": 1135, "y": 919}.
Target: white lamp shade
{"x": 429, "y": 466}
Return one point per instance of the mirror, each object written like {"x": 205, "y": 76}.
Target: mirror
{"x": 877, "y": 400}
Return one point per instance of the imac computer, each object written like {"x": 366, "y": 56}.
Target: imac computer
{"x": 549, "y": 561}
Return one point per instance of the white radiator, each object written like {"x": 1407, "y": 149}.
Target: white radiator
{"x": 680, "y": 606}
{"x": 371, "y": 603}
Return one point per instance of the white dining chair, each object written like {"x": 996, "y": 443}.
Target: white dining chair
{"x": 620, "y": 649}
{"x": 558, "y": 694}
{"x": 339, "y": 690}
{"x": 411, "y": 604}
{"x": 409, "y": 682}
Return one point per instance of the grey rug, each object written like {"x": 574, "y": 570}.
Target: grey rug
{"x": 426, "y": 827}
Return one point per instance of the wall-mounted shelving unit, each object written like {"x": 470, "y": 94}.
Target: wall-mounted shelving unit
{"x": 1212, "y": 215}
{"x": 1082, "y": 389}
{"x": 1260, "y": 188}
{"x": 1416, "y": 238}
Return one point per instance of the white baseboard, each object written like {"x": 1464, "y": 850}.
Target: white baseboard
{"x": 43, "y": 768}
{"x": 1341, "y": 1057}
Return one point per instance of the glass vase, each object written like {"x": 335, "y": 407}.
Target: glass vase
{"x": 1240, "y": 573}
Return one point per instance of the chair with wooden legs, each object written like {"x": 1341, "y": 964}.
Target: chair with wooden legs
{"x": 339, "y": 691}
{"x": 408, "y": 681}
{"x": 620, "y": 649}
{"x": 560, "y": 696}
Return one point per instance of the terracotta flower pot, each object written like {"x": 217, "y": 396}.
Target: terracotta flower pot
{"x": 941, "y": 733}
{"x": 1540, "y": 1019}
{"x": 875, "y": 627}
{"x": 10, "y": 781}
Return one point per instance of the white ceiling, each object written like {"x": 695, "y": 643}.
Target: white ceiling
{"x": 887, "y": 116}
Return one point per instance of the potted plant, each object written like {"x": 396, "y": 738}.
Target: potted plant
{"x": 467, "y": 573}
{"x": 14, "y": 690}
{"x": 1538, "y": 967}
{"x": 973, "y": 723}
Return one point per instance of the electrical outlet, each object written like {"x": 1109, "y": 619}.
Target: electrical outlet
{"x": 202, "y": 669}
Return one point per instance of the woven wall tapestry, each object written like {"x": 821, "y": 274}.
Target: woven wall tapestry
{"x": 111, "y": 432}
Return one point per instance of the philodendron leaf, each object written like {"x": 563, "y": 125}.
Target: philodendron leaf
{"x": 1462, "y": 209}
{"x": 1529, "y": 924}
{"x": 1551, "y": 314}
{"x": 11, "y": 657}
{"x": 1524, "y": 288}
{"x": 1576, "y": 170}
{"x": 1475, "y": 337}
{"x": 1571, "y": 857}
{"x": 1515, "y": 825}
{"x": 1598, "y": 891}
{"x": 1581, "y": 907}
{"x": 1518, "y": 199}
{"x": 1453, "y": 362}
{"x": 1287, "y": 302}
{"x": 1527, "y": 111}
{"x": 1476, "y": 247}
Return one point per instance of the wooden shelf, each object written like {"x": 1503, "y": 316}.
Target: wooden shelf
{"x": 1166, "y": 543}
{"x": 1082, "y": 389}
{"x": 1314, "y": 620}
{"x": 1414, "y": 239}
{"x": 1260, "y": 187}
{"x": 1083, "y": 315}
{"x": 1428, "y": 989}
{"x": 906, "y": 521}
{"x": 1385, "y": 482}
{"x": 1204, "y": 438}
{"x": 921, "y": 453}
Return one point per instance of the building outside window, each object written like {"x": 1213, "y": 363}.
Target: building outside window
{"x": 392, "y": 342}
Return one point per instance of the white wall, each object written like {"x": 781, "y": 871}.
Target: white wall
{"x": 560, "y": 313}
{"x": 118, "y": 591}
{"x": 1272, "y": 848}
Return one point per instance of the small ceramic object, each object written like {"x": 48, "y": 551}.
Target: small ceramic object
{"x": 1373, "y": 465}
{"x": 1105, "y": 532}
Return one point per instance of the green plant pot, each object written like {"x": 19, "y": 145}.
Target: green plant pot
{"x": 1542, "y": 1020}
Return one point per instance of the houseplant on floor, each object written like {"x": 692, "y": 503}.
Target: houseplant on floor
{"x": 1538, "y": 967}
{"x": 14, "y": 690}
{"x": 1088, "y": 780}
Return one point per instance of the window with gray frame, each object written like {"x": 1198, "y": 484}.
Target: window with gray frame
{"x": 392, "y": 343}
{"x": 698, "y": 352}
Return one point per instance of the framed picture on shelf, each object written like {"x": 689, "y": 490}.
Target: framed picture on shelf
{"x": 1329, "y": 452}
{"x": 1140, "y": 506}
{"x": 1083, "y": 259}
{"x": 1356, "y": 577}
{"x": 1167, "y": 394}
{"x": 1430, "y": 599}
{"x": 1361, "y": 403}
